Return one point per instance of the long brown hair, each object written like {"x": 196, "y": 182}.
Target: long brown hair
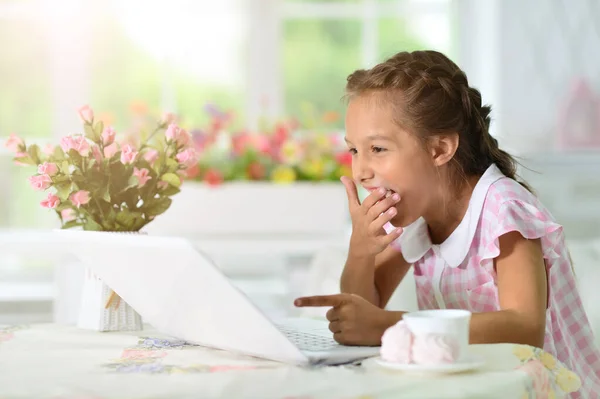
{"x": 432, "y": 96}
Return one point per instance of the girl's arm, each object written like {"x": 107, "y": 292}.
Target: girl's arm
{"x": 522, "y": 293}
{"x": 374, "y": 279}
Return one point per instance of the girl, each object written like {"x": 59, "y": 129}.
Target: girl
{"x": 476, "y": 237}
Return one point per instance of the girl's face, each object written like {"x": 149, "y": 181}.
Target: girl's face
{"x": 384, "y": 155}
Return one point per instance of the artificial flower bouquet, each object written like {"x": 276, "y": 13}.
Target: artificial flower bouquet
{"x": 98, "y": 181}
{"x": 282, "y": 152}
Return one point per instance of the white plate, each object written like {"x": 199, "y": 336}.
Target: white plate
{"x": 470, "y": 363}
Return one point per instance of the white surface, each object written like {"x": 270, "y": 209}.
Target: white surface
{"x": 48, "y": 361}
{"x": 470, "y": 362}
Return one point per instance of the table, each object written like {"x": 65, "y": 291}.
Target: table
{"x": 53, "y": 361}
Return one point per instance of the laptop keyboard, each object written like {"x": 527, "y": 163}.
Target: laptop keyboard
{"x": 307, "y": 341}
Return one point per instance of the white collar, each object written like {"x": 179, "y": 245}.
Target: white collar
{"x": 415, "y": 241}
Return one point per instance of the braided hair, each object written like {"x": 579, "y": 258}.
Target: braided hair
{"x": 432, "y": 96}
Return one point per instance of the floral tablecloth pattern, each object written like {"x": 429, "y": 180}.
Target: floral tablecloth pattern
{"x": 60, "y": 362}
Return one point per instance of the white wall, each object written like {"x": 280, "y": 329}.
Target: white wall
{"x": 525, "y": 56}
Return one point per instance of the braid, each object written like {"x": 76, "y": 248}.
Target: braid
{"x": 433, "y": 97}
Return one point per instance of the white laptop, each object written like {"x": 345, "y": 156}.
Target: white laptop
{"x": 180, "y": 292}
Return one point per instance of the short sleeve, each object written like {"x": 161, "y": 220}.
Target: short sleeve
{"x": 527, "y": 219}
{"x": 388, "y": 227}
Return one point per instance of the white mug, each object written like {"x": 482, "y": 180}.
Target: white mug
{"x": 453, "y": 323}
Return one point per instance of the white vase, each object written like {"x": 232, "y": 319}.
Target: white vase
{"x": 102, "y": 310}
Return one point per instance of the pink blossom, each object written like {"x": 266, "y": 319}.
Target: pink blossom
{"x": 128, "y": 154}
{"x": 40, "y": 182}
{"x": 14, "y": 143}
{"x": 161, "y": 185}
{"x": 81, "y": 145}
{"x": 177, "y": 134}
{"x": 108, "y": 135}
{"x": 48, "y": 168}
{"x": 66, "y": 143}
{"x": 97, "y": 154}
{"x": 77, "y": 143}
{"x": 86, "y": 114}
{"x": 142, "y": 176}
{"x": 111, "y": 150}
{"x": 187, "y": 157}
{"x": 51, "y": 202}
{"x": 67, "y": 215}
{"x": 167, "y": 118}
{"x": 48, "y": 149}
{"x": 151, "y": 156}
{"x": 79, "y": 198}
{"x": 539, "y": 374}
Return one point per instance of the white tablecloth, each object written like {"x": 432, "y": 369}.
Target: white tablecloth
{"x": 51, "y": 361}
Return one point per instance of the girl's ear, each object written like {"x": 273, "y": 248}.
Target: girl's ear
{"x": 443, "y": 147}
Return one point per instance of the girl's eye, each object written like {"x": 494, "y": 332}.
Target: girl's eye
{"x": 352, "y": 151}
{"x": 378, "y": 149}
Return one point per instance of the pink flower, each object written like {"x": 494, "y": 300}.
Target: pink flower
{"x": 151, "y": 156}
{"x": 161, "y": 185}
{"x": 539, "y": 375}
{"x": 97, "y": 154}
{"x": 51, "y": 202}
{"x": 177, "y": 134}
{"x": 79, "y": 198}
{"x": 48, "y": 149}
{"x": 40, "y": 182}
{"x": 14, "y": 143}
{"x": 81, "y": 145}
{"x": 67, "y": 215}
{"x": 86, "y": 114}
{"x": 77, "y": 143}
{"x": 167, "y": 118}
{"x": 128, "y": 154}
{"x": 111, "y": 150}
{"x": 142, "y": 176}
{"x": 49, "y": 169}
{"x": 187, "y": 157}
{"x": 108, "y": 135}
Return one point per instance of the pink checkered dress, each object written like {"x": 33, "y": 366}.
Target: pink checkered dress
{"x": 459, "y": 273}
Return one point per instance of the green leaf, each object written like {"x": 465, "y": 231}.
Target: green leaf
{"x": 64, "y": 167}
{"x": 172, "y": 179}
{"x": 170, "y": 191}
{"x": 172, "y": 165}
{"x": 75, "y": 157}
{"x": 26, "y": 160}
{"x": 34, "y": 153}
{"x": 98, "y": 129}
{"x": 105, "y": 195}
{"x": 70, "y": 224}
{"x": 58, "y": 154}
{"x": 89, "y": 132}
{"x": 132, "y": 182}
{"x": 157, "y": 206}
{"x": 63, "y": 206}
{"x": 128, "y": 220}
{"x": 60, "y": 179}
{"x": 91, "y": 225}
{"x": 63, "y": 190}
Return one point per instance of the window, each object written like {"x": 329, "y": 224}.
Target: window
{"x": 257, "y": 58}
{"x": 324, "y": 41}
